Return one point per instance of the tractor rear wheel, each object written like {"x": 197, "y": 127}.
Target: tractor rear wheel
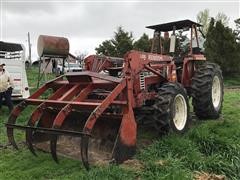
{"x": 207, "y": 91}
{"x": 171, "y": 109}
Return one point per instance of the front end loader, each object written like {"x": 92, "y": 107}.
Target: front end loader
{"x": 96, "y": 107}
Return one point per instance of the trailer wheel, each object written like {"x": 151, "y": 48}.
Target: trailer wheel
{"x": 171, "y": 109}
{"x": 207, "y": 91}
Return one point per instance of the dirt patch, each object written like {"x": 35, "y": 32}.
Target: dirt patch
{"x": 70, "y": 147}
{"x": 232, "y": 88}
{"x": 133, "y": 164}
{"x": 207, "y": 176}
{"x": 20, "y": 144}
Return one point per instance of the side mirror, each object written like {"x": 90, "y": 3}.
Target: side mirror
{"x": 172, "y": 43}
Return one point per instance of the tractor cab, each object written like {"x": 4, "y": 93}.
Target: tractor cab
{"x": 175, "y": 44}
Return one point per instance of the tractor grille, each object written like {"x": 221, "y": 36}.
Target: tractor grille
{"x": 142, "y": 81}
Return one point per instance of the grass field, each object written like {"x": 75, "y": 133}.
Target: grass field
{"x": 232, "y": 81}
{"x": 209, "y": 147}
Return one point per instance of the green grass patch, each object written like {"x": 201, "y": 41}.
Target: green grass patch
{"x": 33, "y": 78}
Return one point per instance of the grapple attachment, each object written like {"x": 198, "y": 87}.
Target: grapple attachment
{"x": 85, "y": 114}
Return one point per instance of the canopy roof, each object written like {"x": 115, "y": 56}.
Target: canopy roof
{"x": 178, "y": 25}
{"x": 10, "y": 47}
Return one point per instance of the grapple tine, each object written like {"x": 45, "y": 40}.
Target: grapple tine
{"x": 53, "y": 148}
{"x": 12, "y": 120}
{"x": 29, "y": 139}
{"x": 57, "y": 123}
{"x": 29, "y": 132}
{"x": 11, "y": 138}
{"x": 84, "y": 151}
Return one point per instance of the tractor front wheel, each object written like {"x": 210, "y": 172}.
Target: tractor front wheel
{"x": 207, "y": 91}
{"x": 171, "y": 108}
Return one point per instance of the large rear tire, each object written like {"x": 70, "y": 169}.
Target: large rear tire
{"x": 171, "y": 109}
{"x": 207, "y": 91}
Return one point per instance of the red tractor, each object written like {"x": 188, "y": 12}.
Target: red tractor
{"x": 100, "y": 107}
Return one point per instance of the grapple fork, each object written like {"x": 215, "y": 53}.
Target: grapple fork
{"x": 77, "y": 108}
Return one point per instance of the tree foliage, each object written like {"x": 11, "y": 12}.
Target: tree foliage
{"x": 221, "y": 47}
{"x": 118, "y": 45}
{"x": 237, "y": 30}
{"x": 143, "y": 43}
{"x": 123, "y": 42}
{"x": 203, "y": 18}
{"x": 223, "y": 18}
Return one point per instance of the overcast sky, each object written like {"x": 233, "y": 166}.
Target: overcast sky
{"x": 87, "y": 23}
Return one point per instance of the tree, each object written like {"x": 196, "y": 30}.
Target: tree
{"x": 221, "y": 47}
{"x": 237, "y": 22}
{"x": 80, "y": 56}
{"x": 121, "y": 43}
{"x": 223, "y": 18}
{"x": 237, "y": 30}
{"x": 203, "y": 18}
{"x": 106, "y": 48}
{"x": 143, "y": 43}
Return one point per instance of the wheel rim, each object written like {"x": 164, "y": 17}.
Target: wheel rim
{"x": 180, "y": 109}
{"x": 216, "y": 92}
